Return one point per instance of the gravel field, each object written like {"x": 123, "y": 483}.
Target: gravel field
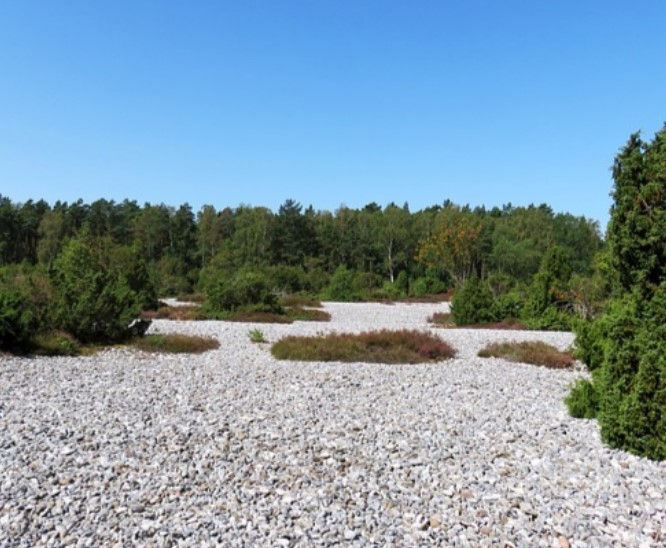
{"x": 235, "y": 448}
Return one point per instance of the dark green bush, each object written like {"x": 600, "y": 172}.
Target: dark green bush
{"x": 472, "y": 304}
{"x": 592, "y": 335}
{"x": 550, "y": 319}
{"x": 426, "y": 286}
{"x": 583, "y": 400}
{"x": 287, "y": 279}
{"x": 631, "y": 378}
{"x": 93, "y": 300}
{"x": 171, "y": 277}
{"x": 134, "y": 269}
{"x": 341, "y": 286}
{"x": 507, "y": 306}
{"x": 627, "y": 347}
{"x": 402, "y": 282}
{"x": 16, "y": 320}
{"x": 366, "y": 284}
{"x": 246, "y": 290}
{"x": 548, "y": 305}
{"x": 389, "y": 291}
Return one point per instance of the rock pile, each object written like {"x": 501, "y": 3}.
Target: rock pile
{"x": 233, "y": 447}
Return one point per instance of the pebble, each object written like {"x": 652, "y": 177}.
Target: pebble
{"x": 233, "y": 447}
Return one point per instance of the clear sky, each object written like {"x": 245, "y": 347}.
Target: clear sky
{"x": 327, "y": 102}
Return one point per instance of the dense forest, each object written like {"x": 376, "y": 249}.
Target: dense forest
{"x": 350, "y": 254}
{"x": 84, "y": 271}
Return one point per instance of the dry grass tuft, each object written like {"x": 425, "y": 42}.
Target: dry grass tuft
{"x": 191, "y": 297}
{"x": 384, "y": 346}
{"x": 256, "y": 317}
{"x": 179, "y": 313}
{"x": 175, "y": 344}
{"x": 442, "y": 319}
{"x": 533, "y": 352}
{"x": 507, "y": 324}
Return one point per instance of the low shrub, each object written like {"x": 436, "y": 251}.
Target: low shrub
{"x": 442, "y": 319}
{"x": 426, "y": 286}
{"x": 341, "y": 287}
{"x": 180, "y": 313}
{"x": 15, "y": 320}
{"x": 473, "y": 303}
{"x": 367, "y": 284}
{"x": 299, "y": 314}
{"x": 254, "y": 317}
{"x": 402, "y": 282}
{"x": 532, "y": 352}
{"x": 93, "y": 300}
{"x": 287, "y": 279}
{"x": 246, "y": 290}
{"x": 384, "y": 346}
{"x": 175, "y": 343}
{"x": 583, "y": 400}
{"x": 551, "y": 319}
{"x": 507, "y": 306}
{"x": 388, "y": 291}
{"x": 191, "y": 297}
{"x": 592, "y": 336}
{"x": 509, "y": 324}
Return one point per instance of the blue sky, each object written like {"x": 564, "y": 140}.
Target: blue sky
{"x": 326, "y": 102}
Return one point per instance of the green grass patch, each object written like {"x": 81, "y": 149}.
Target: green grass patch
{"x": 175, "y": 343}
{"x": 257, "y": 336}
{"x": 56, "y": 343}
{"x": 297, "y": 313}
{"x": 391, "y": 347}
{"x": 532, "y": 352}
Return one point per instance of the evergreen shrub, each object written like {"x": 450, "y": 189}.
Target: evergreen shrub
{"x": 627, "y": 348}
{"x": 507, "y": 306}
{"x": 15, "y": 320}
{"x": 426, "y": 286}
{"x": 246, "y": 290}
{"x": 473, "y": 303}
{"x": 341, "y": 287}
{"x": 583, "y": 400}
{"x": 93, "y": 300}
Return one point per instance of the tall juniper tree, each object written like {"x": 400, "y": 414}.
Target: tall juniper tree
{"x": 628, "y": 345}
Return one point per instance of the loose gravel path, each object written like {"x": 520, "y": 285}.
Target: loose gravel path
{"x": 235, "y": 448}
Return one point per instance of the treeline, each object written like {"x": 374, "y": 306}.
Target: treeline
{"x": 84, "y": 270}
{"x": 420, "y": 251}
